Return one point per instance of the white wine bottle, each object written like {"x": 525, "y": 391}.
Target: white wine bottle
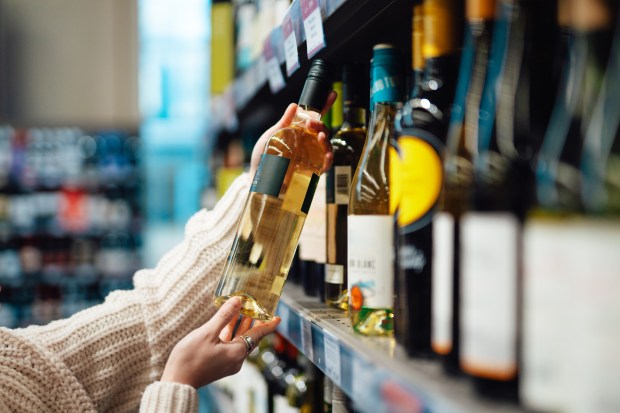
{"x": 370, "y": 222}
{"x": 277, "y": 206}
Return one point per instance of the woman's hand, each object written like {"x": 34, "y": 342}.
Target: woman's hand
{"x": 314, "y": 125}
{"x": 210, "y": 353}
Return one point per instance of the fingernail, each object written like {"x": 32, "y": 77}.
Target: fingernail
{"x": 236, "y": 301}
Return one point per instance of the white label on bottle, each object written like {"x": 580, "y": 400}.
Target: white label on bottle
{"x": 342, "y": 184}
{"x": 290, "y": 45}
{"x": 443, "y": 267}
{"x": 489, "y": 247}
{"x": 370, "y": 262}
{"x": 571, "y": 333}
{"x": 334, "y": 274}
{"x": 546, "y": 308}
{"x": 314, "y": 232}
{"x": 595, "y": 375}
{"x": 332, "y": 358}
{"x": 281, "y": 405}
{"x": 306, "y": 338}
{"x": 313, "y": 26}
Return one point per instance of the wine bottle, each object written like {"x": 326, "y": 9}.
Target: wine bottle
{"x": 420, "y": 144}
{"x": 594, "y": 368}
{"x": 561, "y": 249}
{"x": 370, "y": 223}
{"x": 276, "y": 208}
{"x": 416, "y": 78}
{"x": 347, "y": 144}
{"x": 514, "y": 111}
{"x": 458, "y": 172}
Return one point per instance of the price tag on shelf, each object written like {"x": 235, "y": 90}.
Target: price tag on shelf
{"x": 313, "y": 26}
{"x": 285, "y": 315}
{"x": 306, "y": 338}
{"x": 272, "y": 67}
{"x": 290, "y": 45}
{"x": 332, "y": 358}
{"x": 362, "y": 378}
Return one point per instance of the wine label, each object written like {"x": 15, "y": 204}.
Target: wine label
{"x": 339, "y": 185}
{"x": 443, "y": 267}
{"x": 546, "y": 309}
{"x": 270, "y": 175}
{"x": 489, "y": 248}
{"x": 334, "y": 274}
{"x": 572, "y": 314}
{"x": 417, "y": 179}
{"x": 314, "y": 232}
{"x": 370, "y": 263}
{"x": 385, "y": 85}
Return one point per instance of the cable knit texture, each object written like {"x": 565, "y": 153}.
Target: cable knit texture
{"x": 102, "y": 359}
{"x": 169, "y": 398}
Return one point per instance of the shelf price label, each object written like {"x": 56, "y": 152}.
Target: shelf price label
{"x": 332, "y": 358}
{"x": 363, "y": 383}
{"x": 306, "y": 338}
{"x": 272, "y": 66}
{"x": 290, "y": 45}
{"x": 313, "y": 26}
{"x": 285, "y": 316}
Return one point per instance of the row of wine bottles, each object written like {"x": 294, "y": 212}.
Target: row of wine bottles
{"x": 480, "y": 221}
{"x": 70, "y": 220}
{"x": 280, "y": 379}
{"x": 46, "y": 158}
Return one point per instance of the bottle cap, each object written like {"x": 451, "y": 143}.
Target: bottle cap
{"x": 384, "y": 74}
{"x": 317, "y": 86}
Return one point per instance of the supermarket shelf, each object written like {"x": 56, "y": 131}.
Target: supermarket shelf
{"x": 350, "y": 33}
{"x": 374, "y": 371}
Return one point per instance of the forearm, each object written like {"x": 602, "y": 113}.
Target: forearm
{"x": 116, "y": 349}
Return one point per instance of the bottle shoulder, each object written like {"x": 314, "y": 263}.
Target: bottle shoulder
{"x": 298, "y": 144}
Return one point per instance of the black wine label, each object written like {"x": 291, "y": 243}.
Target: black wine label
{"x": 314, "y": 180}
{"x": 270, "y": 175}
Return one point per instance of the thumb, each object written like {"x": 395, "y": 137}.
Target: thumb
{"x": 227, "y": 312}
{"x": 285, "y": 120}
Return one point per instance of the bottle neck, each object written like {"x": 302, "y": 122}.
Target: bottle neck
{"x": 353, "y": 115}
{"x": 305, "y": 113}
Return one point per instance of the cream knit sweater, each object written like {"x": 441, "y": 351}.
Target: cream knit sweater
{"x": 107, "y": 358}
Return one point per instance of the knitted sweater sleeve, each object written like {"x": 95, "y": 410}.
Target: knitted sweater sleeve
{"x": 116, "y": 349}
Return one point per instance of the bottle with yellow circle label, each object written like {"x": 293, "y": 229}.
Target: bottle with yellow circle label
{"x": 418, "y": 174}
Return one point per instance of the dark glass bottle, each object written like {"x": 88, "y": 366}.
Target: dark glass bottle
{"x": 559, "y": 303}
{"x": 456, "y": 194}
{"x": 416, "y": 78}
{"x": 513, "y": 115}
{"x": 420, "y": 143}
{"x": 347, "y": 144}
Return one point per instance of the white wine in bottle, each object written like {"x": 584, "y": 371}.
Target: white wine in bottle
{"x": 276, "y": 208}
{"x": 370, "y": 236}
